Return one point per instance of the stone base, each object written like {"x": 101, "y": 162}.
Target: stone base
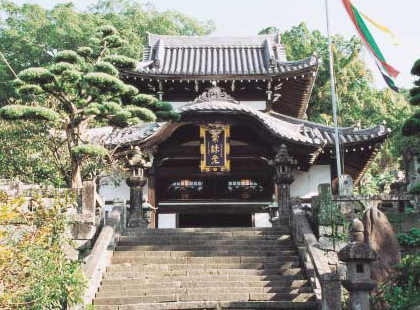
{"x": 137, "y": 221}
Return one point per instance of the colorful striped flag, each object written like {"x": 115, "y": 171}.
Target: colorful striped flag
{"x": 387, "y": 71}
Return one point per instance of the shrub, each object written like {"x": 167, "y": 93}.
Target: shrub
{"x": 402, "y": 290}
{"x": 410, "y": 238}
{"x": 415, "y": 189}
{"x": 34, "y": 270}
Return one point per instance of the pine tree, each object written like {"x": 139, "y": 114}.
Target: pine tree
{"x": 86, "y": 84}
{"x": 412, "y": 124}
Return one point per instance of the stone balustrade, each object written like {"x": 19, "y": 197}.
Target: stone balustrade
{"x": 326, "y": 284}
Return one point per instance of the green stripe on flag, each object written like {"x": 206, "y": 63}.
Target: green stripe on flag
{"x": 368, "y": 36}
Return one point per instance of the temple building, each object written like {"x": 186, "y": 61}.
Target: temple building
{"x": 241, "y": 145}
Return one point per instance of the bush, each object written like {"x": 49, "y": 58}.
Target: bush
{"x": 410, "y": 238}
{"x": 402, "y": 290}
{"x": 34, "y": 270}
{"x": 415, "y": 189}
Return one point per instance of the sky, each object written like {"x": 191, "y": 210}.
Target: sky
{"x": 248, "y": 17}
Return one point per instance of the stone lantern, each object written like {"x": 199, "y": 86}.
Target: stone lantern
{"x": 358, "y": 255}
{"x": 283, "y": 164}
{"x": 136, "y": 181}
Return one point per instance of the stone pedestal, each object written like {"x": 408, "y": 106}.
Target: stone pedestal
{"x": 136, "y": 184}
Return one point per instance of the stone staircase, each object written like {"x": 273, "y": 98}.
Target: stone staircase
{"x": 205, "y": 268}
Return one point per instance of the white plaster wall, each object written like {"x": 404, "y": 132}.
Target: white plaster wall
{"x": 306, "y": 183}
{"x": 262, "y": 220}
{"x": 167, "y": 220}
{"x": 109, "y": 191}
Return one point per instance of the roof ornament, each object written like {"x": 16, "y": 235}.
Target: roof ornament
{"x": 215, "y": 93}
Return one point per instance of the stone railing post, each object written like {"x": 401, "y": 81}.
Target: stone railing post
{"x": 358, "y": 255}
{"x": 331, "y": 291}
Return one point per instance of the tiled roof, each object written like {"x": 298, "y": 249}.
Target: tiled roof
{"x": 216, "y": 56}
{"x": 110, "y": 136}
{"x": 285, "y": 127}
{"x": 348, "y": 135}
{"x": 279, "y": 127}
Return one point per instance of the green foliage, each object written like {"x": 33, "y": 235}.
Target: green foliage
{"x": 34, "y": 270}
{"x": 13, "y": 112}
{"x": 30, "y": 34}
{"x": 121, "y": 62}
{"x": 359, "y": 102}
{"x": 110, "y": 108}
{"x": 36, "y": 76}
{"x": 106, "y": 31}
{"x": 106, "y": 67}
{"x": 28, "y": 151}
{"x": 67, "y": 56}
{"x": 402, "y": 290}
{"x": 410, "y": 238}
{"x": 415, "y": 189}
{"x": 89, "y": 150}
{"x": 412, "y": 125}
{"x": 142, "y": 113}
{"x": 269, "y": 30}
{"x": 59, "y": 67}
{"x": 415, "y": 99}
{"x": 415, "y": 70}
{"x": 104, "y": 82}
{"x": 142, "y": 100}
{"x": 84, "y": 51}
{"x": 30, "y": 89}
{"x": 168, "y": 116}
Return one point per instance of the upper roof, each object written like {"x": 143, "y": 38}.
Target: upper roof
{"x": 218, "y": 56}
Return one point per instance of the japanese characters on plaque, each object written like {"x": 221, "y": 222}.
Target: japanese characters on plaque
{"x": 215, "y": 148}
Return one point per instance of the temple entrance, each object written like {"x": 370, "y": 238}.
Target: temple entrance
{"x": 215, "y": 220}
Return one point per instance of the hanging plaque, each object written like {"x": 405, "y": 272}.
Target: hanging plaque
{"x": 215, "y": 148}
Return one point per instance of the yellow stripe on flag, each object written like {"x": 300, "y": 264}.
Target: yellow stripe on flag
{"x": 383, "y": 28}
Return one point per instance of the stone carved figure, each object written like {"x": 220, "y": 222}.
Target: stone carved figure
{"x": 379, "y": 235}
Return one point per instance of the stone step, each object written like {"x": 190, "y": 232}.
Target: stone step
{"x": 136, "y": 241}
{"x": 274, "y": 246}
{"x": 205, "y": 229}
{"x": 195, "y": 272}
{"x": 126, "y": 300}
{"x": 159, "y": 239}
{"x": 209, "y": 305}
{"x": 291, "y": 283}
{"x": 232, "y": 253}
{"x": 233, "y": 233}
{"x": 206, "y": 278}
{"x": 204, "y": 260}
{"x": 169, "y": 267}
{"x": 150, "y": 291}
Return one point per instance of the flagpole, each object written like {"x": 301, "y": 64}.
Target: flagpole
{"x": 333, "y": 95}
